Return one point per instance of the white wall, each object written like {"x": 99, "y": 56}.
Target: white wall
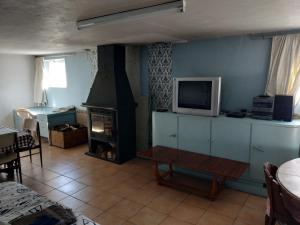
{"x": 16, "y": 85}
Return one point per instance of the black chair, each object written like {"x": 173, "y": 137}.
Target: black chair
{"x": 276, "y": 210}
{"x": 33, "y": 139}
{"x": 9, "y": 156}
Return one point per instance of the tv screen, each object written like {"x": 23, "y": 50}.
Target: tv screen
{"x": 195, "y": 94}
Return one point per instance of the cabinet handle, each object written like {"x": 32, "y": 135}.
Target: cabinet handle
{"x": 173, "y": 135}
{"x": 258, "y": 148}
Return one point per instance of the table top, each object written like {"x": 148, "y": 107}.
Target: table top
{"x": 6, "y": 130}
{"x": 199, "y": 162}
{"x": 288, "y": 176}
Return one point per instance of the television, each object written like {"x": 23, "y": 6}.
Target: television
{"x": 197, "y": 95}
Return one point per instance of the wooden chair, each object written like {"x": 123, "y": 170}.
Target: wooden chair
{"x": 32, "y": 127}
{"x": 292, "y": 204}
{"x": 276, "y": 210}
{"x": 10, "y": 161}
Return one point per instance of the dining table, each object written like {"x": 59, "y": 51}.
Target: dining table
{"x": 24, "y": 138}
{"x": 288, "y": 176}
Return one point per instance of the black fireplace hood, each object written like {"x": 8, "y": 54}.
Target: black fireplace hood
{"x": 111, "y": 88}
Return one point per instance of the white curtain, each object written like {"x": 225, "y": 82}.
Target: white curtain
{"x": 40, "y": 97}
{"x": 284, "y": 70}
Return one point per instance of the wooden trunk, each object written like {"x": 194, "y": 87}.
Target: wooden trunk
{"x": 69, "y": 138}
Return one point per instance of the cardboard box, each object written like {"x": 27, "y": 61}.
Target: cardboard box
{"x": 69, "y": 138}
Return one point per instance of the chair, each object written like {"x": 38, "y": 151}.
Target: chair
{"x": 32, "y": 134}
{"x": 292, "y": 204}
{"x": 275, "y": 207}
{"x": 24, "y": 114}
{"x": 10, "y": 160}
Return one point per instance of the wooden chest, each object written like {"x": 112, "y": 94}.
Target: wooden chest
{"x": 69, "y": 138}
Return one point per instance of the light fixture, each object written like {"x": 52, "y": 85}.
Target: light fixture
{"x": 178, "y": 6}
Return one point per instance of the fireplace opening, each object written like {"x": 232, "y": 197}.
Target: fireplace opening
{"x": 102, "y": 124}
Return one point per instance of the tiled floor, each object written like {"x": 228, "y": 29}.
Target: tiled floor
{"x": 127, "y": 194}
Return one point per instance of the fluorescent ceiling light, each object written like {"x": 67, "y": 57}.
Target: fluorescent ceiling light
{"x": 177, "y": 6}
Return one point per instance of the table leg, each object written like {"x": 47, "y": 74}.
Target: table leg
{"x": 156, "y": 172}
{"x": 171, "y": 171}
{"x": 214, "y": 188}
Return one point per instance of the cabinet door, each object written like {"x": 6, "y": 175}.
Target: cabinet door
{"x": 164, "y": 129}
{"x": 231, "y": 139}
{"x": 194, "y": 134}
{"x": 274, "y": 144}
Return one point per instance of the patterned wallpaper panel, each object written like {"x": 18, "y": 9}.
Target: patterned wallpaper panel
{"x": 160, "y": 75}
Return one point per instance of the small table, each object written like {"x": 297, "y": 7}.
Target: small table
{"x": 23, "y": 138}
{"x": 219, "y": 169}
{"x": 288, "y": 176}
{"x": 6, "y": 130}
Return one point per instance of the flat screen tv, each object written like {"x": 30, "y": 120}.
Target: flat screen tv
{"x": 197, "y": 95}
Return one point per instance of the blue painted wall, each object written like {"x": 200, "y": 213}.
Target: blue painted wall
{"x": 241, "y": 62}
{"x": 79, "y": 81}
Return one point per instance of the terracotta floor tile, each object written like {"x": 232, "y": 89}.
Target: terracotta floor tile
{"x": 224, "y": 208}
{"x": 142, "y": 196}
{"x": 137, "y": 181}
{"x": 108, "y": 219}
{"x": 153, "y": 186}
{"x": 122, "y": 190}
{"x": 56, "y": 195}
{"x": 163, "y": 204}
{"x": 197, "y": 201}
{"x": 148, "y": 216}
{"x": 187, "y": 213}
{"x": 75, "y": 174}
{"x": 71, "y": 202}
{"x": 105, "y": 201}
{"x": 175, "y": 194}
{"x": 71, "y": 187}
{"x": 233, "y": 196}
{"x": 125, "y": 209}
{"x": 58, "y": 181}
{"x": 40, "y": 188}
{"x": 251, "y": 216}
{"x": 43, "y": 174}
{"x": 173, "y": 221}
{"x": 89, "y": 211}
{"x": 256, "y": 202}
{"x": 215, "y": 219}
{"x": 87, "y": 194}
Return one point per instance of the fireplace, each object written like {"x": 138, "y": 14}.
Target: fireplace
{"x": 103, "y": 134}
{"x": 102, "y": 124}
{"x": 111, "y": 108}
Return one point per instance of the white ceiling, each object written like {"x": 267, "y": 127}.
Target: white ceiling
{"x": 49, "y": 26}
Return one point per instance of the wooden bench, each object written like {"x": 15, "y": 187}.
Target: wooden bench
{"x": 219, "y": 169}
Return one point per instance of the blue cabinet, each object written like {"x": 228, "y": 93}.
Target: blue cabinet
{"x": 248, "y": 140}
{"x": 194, "y": 134}
{"x": 230, "y": 138}
{"x": 164, "y": 129}
{"x": 275, "y": 144}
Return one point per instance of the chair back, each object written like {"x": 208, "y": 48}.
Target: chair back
{"x": 30, "y": 124}
{"x": 7, "y": 140}
{"x": 292, "y": 204}
{"x": 277, "y": 208}
{"x": 24, "y": 114}
{"x": 33, "y": 126}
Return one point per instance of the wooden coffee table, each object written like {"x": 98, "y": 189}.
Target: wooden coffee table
{"x": 219, "y": 169}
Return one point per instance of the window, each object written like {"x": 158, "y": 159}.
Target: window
{"x": 55, "y": 73}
